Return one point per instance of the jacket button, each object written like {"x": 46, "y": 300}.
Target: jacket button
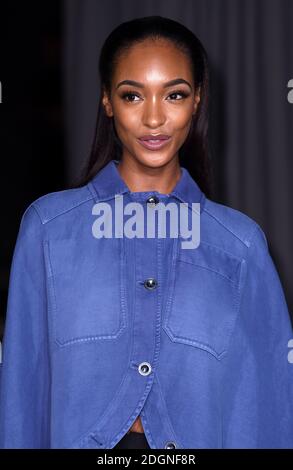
{"x": 152, "y": 200}
{"x": 170, "y": 445}
{"x": 150, "y": 283}
{"x": 144, "y": 368}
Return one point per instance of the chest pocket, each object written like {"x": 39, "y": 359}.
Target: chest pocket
{"x": 87, "y": 289}
{"x": 203, "y": 299}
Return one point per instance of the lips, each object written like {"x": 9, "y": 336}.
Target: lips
{"x": 154, "y": 142}
{"x": 155, "y": 137}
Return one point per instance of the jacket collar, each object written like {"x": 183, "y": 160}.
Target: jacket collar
{"x": 108, "y": 183}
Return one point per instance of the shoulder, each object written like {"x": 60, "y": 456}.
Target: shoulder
{"x": 55, "y": 204}
{"x": 233, "y": 227}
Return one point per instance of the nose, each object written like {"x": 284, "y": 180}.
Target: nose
{"x": 153, "y": 113}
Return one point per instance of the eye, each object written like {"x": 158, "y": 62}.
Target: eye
{"x": 181, "y": 93}
{"x": 128, "y": 94}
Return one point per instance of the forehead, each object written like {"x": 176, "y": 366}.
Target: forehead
{"x": 151, "y": 61}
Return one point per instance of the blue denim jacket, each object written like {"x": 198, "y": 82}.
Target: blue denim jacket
{"x": 101, "y": 330}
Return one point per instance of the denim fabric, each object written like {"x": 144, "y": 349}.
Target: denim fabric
{"x": 81, "y": 321}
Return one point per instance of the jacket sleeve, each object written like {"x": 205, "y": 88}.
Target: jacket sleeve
{"x": 258, "y": 377}
{"x": 24, "y": 384}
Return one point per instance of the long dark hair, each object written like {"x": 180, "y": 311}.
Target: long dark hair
{"x": 194, "y": 153}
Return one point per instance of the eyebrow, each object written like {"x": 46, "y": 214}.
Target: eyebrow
{"x": 176, "y": 81}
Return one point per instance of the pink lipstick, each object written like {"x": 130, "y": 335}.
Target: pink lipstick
{"x": 154, "y": 142}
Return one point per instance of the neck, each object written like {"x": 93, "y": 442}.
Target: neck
{"x": 142, "y": 178}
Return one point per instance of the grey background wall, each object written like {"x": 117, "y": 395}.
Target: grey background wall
{"x": 48, "y": 70}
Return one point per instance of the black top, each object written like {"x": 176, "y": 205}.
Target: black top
{"x": 133, "y": 440}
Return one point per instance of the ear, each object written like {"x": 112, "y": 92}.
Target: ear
{"x": 107, "y": 104}
{"x": 196, "y": 99}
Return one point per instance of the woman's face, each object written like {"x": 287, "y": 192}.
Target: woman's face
{"x": 149, "y": 106}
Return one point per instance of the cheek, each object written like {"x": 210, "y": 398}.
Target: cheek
{"x": 181, "y": 119}
{"x": 126, "y": 120}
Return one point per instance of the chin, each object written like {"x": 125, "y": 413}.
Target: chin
{"x": 155, "y": 161}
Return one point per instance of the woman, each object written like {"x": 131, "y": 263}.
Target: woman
{"x": 117, "y": 339}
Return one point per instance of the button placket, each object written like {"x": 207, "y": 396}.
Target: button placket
{"x": 145, "y": 307}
